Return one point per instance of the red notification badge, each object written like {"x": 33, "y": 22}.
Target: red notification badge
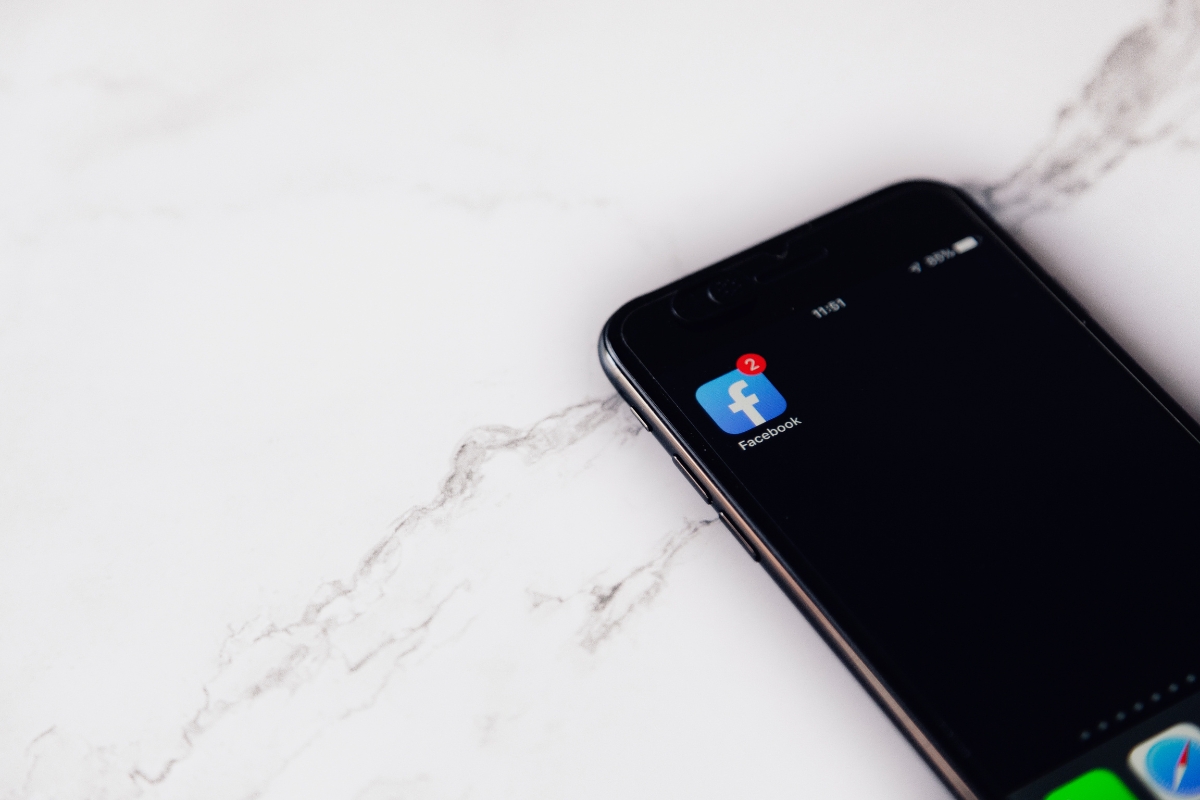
{"x": 751, "y": 364}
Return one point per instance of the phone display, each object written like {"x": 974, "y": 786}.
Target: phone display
{"x": 987, "y": 508}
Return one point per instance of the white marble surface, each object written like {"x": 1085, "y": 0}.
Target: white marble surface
{"x": 310, "y": 484}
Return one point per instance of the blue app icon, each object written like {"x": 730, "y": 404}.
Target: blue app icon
{"x": 1169, "y": 763}
{"x": 738, "y": 402}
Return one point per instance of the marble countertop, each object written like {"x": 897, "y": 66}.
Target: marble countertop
{"x": 310, "y": 483}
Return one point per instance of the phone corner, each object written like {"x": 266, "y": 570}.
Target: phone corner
{"x": 603, "y": 344}
{"x": 605, "y": 353}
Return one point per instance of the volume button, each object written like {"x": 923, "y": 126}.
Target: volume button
{"x": 737, "y": 534}
{"x": 692, "y": 479}
{"x": 638, "y": 417}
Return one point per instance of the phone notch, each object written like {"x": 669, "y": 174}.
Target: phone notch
{"x": 726, "y": 294}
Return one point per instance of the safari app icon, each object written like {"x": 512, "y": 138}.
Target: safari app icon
{"x": 1169, "y": 763}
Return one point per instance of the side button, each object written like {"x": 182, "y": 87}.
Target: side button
{"x": 738, "y": 535}
{"x": 638, "y": 417}
{"x": 692, "y": 479}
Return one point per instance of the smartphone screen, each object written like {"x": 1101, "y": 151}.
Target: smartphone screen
{"x": 997, "y": 508}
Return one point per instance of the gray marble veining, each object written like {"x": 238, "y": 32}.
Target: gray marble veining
{"x": 469, "y": 629}
{"x": 1145, "y": 92}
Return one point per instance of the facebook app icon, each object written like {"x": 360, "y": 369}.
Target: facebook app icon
{"x": 738, "y": 402}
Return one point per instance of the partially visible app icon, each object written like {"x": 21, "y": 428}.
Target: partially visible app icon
{"x": 1169, "y": 763}
{"x": 738, "y": 402}
{"x": 1099, "y": 784}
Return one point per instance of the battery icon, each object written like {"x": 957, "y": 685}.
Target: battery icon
{"x": 963, "y": 245}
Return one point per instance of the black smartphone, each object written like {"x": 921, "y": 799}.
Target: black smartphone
{"x": 975, "y": 495}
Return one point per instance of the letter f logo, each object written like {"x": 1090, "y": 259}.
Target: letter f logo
{"x": 755, "y": 401}
{"x": 745, "y": 404}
